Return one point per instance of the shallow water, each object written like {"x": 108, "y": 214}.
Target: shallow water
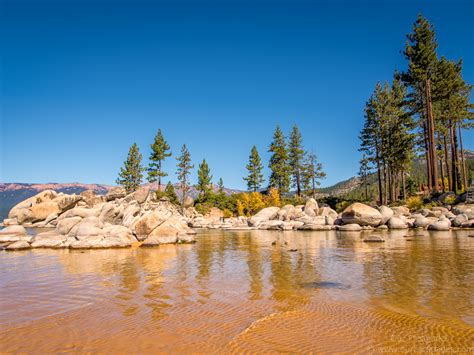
{"x": 235, "y": 291}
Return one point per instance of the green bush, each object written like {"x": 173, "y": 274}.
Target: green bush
{"x": 414, "y": 203}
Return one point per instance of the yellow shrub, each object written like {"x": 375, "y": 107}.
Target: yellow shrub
{"x": 240, "y": 208}
{"x": 273, "y": 198}
{"x": 256, "y": 203}
{"x": 414, "y": 203}
{"x": 227, "y": 213}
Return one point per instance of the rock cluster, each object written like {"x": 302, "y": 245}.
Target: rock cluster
{"x": 87, "y": 221}
{"x": 355, "y": 217}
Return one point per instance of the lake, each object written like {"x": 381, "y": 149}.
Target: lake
{"x": 236, "y": 291}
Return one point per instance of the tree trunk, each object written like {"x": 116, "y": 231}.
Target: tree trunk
{"x": 298, "y": 185}
{"x": 463, "y": 161}
{"x": 454, "y": 168}
{"x": 448, "y": 171}
{"x": 404, "y": 186}
{"x": 431, "y": 135}
{"x": 441, "y": 169}
{"x": 379, "y": 175}
{"x": 428, "y": 157}
{"x": 456, "y": 153}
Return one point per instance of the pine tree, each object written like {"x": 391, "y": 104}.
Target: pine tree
{"x": 255, "y": 177}
{"x": 171, "y": 193}
{"x": 160, "y": 150}
{"x": 183, "y": 170}
{"x": 296, "y": 156}
{"x": 312, "y": 173}
{"x": 420, "y": 50}
{"x": 280, "y": 169}
{"x": 204, "y": 185}
{"x": 131, "y": 174}
{"x": 220, "y": 186}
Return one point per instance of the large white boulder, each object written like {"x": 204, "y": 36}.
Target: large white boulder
{"x": 361, "y": 214}
{"x": 266, "y": 214}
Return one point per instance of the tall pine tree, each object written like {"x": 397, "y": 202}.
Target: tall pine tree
{"x": 160, "y": 150}
{"x": 184, "y": 167}
{"x": 312, "y": 173}
{"x": 254, "y": 167}
{"x": 296, "y": 156}
{"x": 204, "y": 185}
{"x": 131, "y": 174}
{"x": 280, "y": 169}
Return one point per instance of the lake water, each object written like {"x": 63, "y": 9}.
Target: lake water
{"x": 245, "y": 291}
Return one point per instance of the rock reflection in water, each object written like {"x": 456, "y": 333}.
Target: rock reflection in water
{"x": 245, "y": 290}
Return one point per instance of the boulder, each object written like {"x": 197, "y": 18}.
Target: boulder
{"x": 361, "y": 214}
{"x": 352, "y": 227}
{"x": 41, "y": 211}
{"x": 287, "y": 213}
{"x": 401, "y": 211}
{"x": 441, "y": 225}
{"x": 396, "y": 223}
{"x": 266, "y": 214}
{"x": 315, "y": 227}
{"x": 80, "y": 212}
{"x": 130, "y": 214}
{"x": 100, "y": 242}
{"x": 168, "y": 232}
{"x": 111, "y": 213}
{"x": 19, "y": 245}
{"x": 272, "y": 225}
{"x": 459, "y": 220}
{"x": 468, "y": 210}
{"x": 13, "y": 230}
{"x": 10, "y": 221}
{"x": 311, "y": 205}
{"x": 66, "y": 202}
{"x": 140, "y": 195}
{"x": 49, "y": 240}
{"x": 115, "y": 193}
{"x": 65, "y": 225}
{"x": 188, "y": 202}
{"x": 148, "y": 222}
{"x": 327, "y": 211}
{"x": 421, "y": 222}
{"x": 386, "y": 213}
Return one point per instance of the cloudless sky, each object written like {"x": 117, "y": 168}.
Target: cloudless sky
{"x": 82, "y": 80}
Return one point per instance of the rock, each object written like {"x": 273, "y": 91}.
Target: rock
{"x": 13, "y": 230}
{"x": 67, "y": 202}
{"x": 90, "y": 226}
{"x": 442, "y": 225}
{"x": 361, "y": 214}
{"x": 65, "y": 225}
{"x": 115, "y": 193}
{"x": 468, "y": 210}
{"x": 186, "y": 239}
{"x": 386, "y": 213}
{"x": 327, "y": 212}
{"x": 287, "y": 213}
{"x": 373, "y": 239}
{"x": 468, "y": 224}
{"x": 382, "y": 227}
{"x": 48, "y": 240}
{"x": 110, "y": 213}
{"x": 41, "y": 211}
{"x": 130, "y": 214}
{"x": 50, "y": 218}
{"x": 22, "y": 211}
{"x": 315, "y": 227}
{"x": 100, "y": 242}
{"x": 167, "y": 232}
{"x": 272, "y": 225}
{"x": 396, "y": 223}
{"x": 141, "y": 194}
{"x": 10, "y": 222}
{"x": 459, "y": 220}
{"x": 352, "y": 227}
{"x": 19, "y": 245}
{"x": 188, "y": 202}
{"x": 266, "y": 214}
{"x": 311, "y": 208}
{"x": 89, "y": 197}
{"x": 9, "y": 238}
{"x": 421, "y": 222}
{"x": 148, "y": 222}
{"x": 401, "y": 211}
{"x": 80, "y": 212}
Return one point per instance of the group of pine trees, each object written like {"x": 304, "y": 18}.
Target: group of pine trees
{"x": 290, "y": 166}
{"x": 423, "y": 110}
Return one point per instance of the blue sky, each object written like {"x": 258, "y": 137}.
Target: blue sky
{"x": 82, "y": 80}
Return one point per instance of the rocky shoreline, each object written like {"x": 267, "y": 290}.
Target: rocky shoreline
{"x": 117, "y": 220}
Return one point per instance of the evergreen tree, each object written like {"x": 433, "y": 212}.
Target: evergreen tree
{"x": 183, "y": 170}
{"x": 312, "y": 173}
{"x": 171, "y": 193}
{"x": 280, "y": 169}
{"x": 131, "y": 174}
{"x": 296, "y": 156}
{"x": 160, "y": 150}
{"x": 420, "y": 50}
{"x": 255, "y": 177}
{"x": 220, "y": 186}
{"x": 204, "y": 185}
